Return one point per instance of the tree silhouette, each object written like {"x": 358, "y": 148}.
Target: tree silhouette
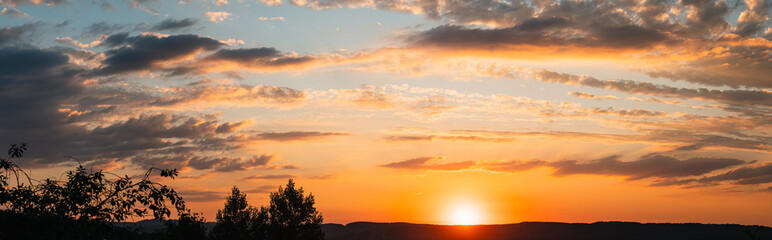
{"x": 235, "y": 220}
{"x": 292, "y": 215}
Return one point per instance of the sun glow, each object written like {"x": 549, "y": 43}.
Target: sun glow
{"x": 465, "y": 215}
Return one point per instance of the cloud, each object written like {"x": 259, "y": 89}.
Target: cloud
{"x": 295, "y": 136}
{"x": 230, "y": 164}
{"x": 76, "y": 43}
{"x": 542, "y": 32}
{"x": 14, "y": 35}
{"x": 734, "y": 66}
{"x": 14, "y": 3}
{"x": 217, "y": 17}
{"x": 591, "y": 96}
{"x": 429, "y": 163}
{"x": 751, "y": 21}
{"x": 664, "y": 170}
{"x": 148, "y": 52}
{"x": 653, "y": 166}
{"x": 269, "y": 177}
{"x": 271, "y": 2}
{"x": 257, "y": 58}
{"x": 262, "y": 189}
{"x": 246, "y": 59}
{"x": 140, "y": 4}
{"x": 271, "y": 19}
{"x": 477, "y": 12}
{"x": 657, "y": 100}
{"x": 515, "y": 165}
{"x": 104, "y": 28}
{"x": 220, "y": 3}
{"x": 746, "y": 175}
{"x": 758, "y": 174}
{"x": 395, "y": 98}
{"x": 679, "y": 40}
{"x": 52, "y": 104}
{"x": 204, "y": 94}
{"x": 684, "y": 139}
{"x": 172, "y": 24}
{"x": 200, "y": 195}
{"x": 13, "y": 12}
{"x": 754, "y": 97}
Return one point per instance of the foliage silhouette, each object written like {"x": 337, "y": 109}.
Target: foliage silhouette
{"x": 290, "y": 215}
{"x": 236, "y": 219}
{"x": 85, "y": 204}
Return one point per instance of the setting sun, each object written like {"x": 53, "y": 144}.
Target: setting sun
{"x": 464, "y": 215}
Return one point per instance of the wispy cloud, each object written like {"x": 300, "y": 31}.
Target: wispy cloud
{"x": 428, "y": 163}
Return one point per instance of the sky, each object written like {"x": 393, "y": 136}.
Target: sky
{"x": 422, "y": 111}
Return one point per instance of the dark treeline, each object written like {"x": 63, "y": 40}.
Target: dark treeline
{"x": 90, "y": 204}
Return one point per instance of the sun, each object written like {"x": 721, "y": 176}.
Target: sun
{"x": 464, "y": 215}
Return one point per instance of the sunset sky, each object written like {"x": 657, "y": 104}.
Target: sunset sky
{"x": 422, "y": 111}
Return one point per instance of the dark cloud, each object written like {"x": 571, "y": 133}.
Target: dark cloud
{"x": 751, "y": 22}
{"x": 732, "y": 66}
{"x": 295, "y": 136}
{"x": 160, "y": 126}
{"x": 708, "y": 18}
{"x": 245, "y": 54}
{"x": 664, "y": 170}
{"x": 148, "y": 52}
{"x": 254, "y": 59}
{"x": 50, "y": 108}
{"x": 428, "y": 163}
{"x": 100, "y": 28}
{"x": 754, "y": 97}
{"x": 229, "y": 164}
{"x": 268, "y": 177}
{"x": 172, "y": 24}
{"x": 746, "y": 175}
{"x": 654, "y": 166}
{"x": 566, "y": 23}
{"x": 15, "y": 35}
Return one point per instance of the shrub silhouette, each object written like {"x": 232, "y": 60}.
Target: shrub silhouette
{"x": 290, "y": 215}
{"x": 189, "y": 226}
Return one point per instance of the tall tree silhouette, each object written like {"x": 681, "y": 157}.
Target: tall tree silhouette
{"x": 235, "y": 220}
{"x": 292, "y": 215}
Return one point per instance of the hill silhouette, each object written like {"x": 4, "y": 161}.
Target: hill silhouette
{"x": 544, "y": 231}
